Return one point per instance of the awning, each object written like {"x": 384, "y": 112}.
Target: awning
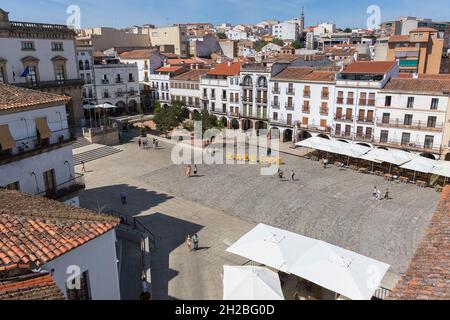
{"x": 251, "y": 283}
{"x": 89, "y": 106}
{"x": 442, "y": 168}
{"x": 318, "y": 143}
{"x": 106, "y": 106}
{"x": 350, "y": 149}
{"x": 420, "y": 164}
{"x": 342, "y": 271}
{"x": 334, "y": 146}
{"x": 373, "y": 155}
{"x": 7, "y": 142}
{"x": 396, "y": 157}
{"x": 43, "y": 129}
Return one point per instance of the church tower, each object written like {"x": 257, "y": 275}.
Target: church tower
{"x": 302, "y": 20}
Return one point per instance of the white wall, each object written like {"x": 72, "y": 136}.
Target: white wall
{"x": 11, "y": 50}
{"x": 99, "y": 258}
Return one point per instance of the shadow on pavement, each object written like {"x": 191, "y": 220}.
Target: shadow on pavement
{"x": 172, "y": 233}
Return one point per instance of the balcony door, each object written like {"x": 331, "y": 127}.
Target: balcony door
{"x": 49, "y": 182}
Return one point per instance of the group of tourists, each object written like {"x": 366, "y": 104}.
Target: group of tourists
{"x": 194, "y": 240}
{"x": 143, "y": 143}
{"x": 191, "y": 170}
{"x": 377, "y": 194}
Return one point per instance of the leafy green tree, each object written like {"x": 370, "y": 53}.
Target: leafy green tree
{"x": 209, "y": 121}
{"x": 278, "y": 41}
{"x": 221, "y": 35}
{"x": 170, "y": 117}
{"x": 348, "y": 30}
{"x": 296, "y": 44}
{"x": 259, "y": 45}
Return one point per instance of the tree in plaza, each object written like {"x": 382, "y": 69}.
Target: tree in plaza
{"x": 170, "y": 117}
{"x": 209, "y": 121}
{"x": 296, "y": 44}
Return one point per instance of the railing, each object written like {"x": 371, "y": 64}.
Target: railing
{"x": 365, "y": 120}
{"x": 105, "y": 81}
{"x": 290, "y": 91}
{"x": 350, "y": 101}
{"x": 413, "y": 125}
{"x": 247, "y": 99}
{"x": 364, "y": 137}
{"x": 306, "y": 94}
{"x": 119, "y": 81}
{"x": 275, "y": 105}
{"x": 371, "y": 103}
{"x": 71, "y": 186}
{"x": 289, "y": 106}
{"x": 306, "y": 109}
{"x": 51, "y": 84}
{"x": 343, "y": 118}
{"x": 324, "y": 112}
{"x": 276, "y": 90}
{"x": 382, "y": 293}
{"x": 409, "y": 145}
{"x": 131, "y": 80}
{"x": 343, "y": 134}
{"x": 340, "y": 100}
{"x": 261, "y": 100}
{"x": 325, "y": 96}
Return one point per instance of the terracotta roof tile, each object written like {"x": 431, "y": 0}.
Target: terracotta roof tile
{"x": 428, "y": 276}
{"x": 370, "y": 67}
{"x": 424, "y": 29}
{"x": 399, "y": 38}
{"x": 12, "y": 97}
{"x": 224, "y": 69}
{"x": 191, "y": 75}
{"x": 175, "y": 62}
{"x": 138, "y": 54}
{"x": 422, "y": 85}
{"x": 169, "y": 69}
{"x": 293, "y": 73}
{"x": 37, "y": 230}
{"x": 34, "y": 287}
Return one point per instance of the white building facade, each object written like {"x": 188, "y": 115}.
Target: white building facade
{"x": 118, "y": 84}
{"x": 85, "y": 57}
{"x": 36, "y": 147}
{"x": 286, "y": 31}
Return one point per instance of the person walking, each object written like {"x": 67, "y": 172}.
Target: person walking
{"x": 195, "y": 240}
{"x": 83, "y": 167}
{"x": 292, "y": 175}
{"x": 195, "y": 170}
{"x": 140, "y": 143}
{"x": 156, "y": 144}
{"x": 188, "y": 171}
{"x": 375, "y": 191}
{"x": 269, "y": 152}
{"x": 189, "y": 242}
{"x": 378, "y": 194}
{"x": 123, "y": 197}
{"x": 387, "y": 195}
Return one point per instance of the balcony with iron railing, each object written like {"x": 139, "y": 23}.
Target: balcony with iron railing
{"x": 340, "y": 100}
{"x": 247, "y": 99}
{"x": 325, "y": 96}
{"x": 365, "y": 120}
{"x": 119, "y": 80}
{"x": 290, "y": 91}
{"x": 275, "y": 104}
{"x": 407, "y": 145}
{"x": 51, "y": 84}
{"x": 282, "y": 122}
{"x": 69, "y": 187}
{"x": 350, "y": 101}
{"x": 306, "y": 109}
{"x": 343, "y": 118}
{"x": 324, "y": 112}
{"x": 105, "y": 81}
{"x": 261, "y": 100}
{"x": 289, "y": 106}
{"x": 276, "y": 90}
{"x": 306, "y": 94}
{"x": 411, "y": 125}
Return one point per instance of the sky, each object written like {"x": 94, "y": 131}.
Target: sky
{"x": 113, "y": 13}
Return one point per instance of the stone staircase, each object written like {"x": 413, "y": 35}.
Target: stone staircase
{"x": 94, "y": 154}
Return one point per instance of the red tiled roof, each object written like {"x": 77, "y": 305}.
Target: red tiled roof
{"x": 36, "y": 287}
{"x": 428, "y": 276}
{"x": 406, "y": 75}
{"x": 370, "y": 67}
{"x": 12, "y": 97}
{"x": 169, "y": 69}
{"x": 328, "y": 76}
{"x": 424, "y": 29}
{"x": 224, "y": 69}
{"x": 422, "y": 85}
{"x": 35, "y": 230}
{"x": 305, "y": 74}
{"x": 191, "y": 75}
{"x": 184, "y": 61}
{"x": 138, "y": 54}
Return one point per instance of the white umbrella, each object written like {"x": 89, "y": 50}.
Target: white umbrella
{"x": 272, "y": 247}
{"x": 348, "y": 273}
{"x": 420, "y": 164}
{"x": 251, "y": 283}
{"x": 442, "y": 169}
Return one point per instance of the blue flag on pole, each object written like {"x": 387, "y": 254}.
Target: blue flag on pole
{"x": 25, "y": 73}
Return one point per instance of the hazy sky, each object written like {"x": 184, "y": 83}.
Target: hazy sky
{"x": 346, "y": 13}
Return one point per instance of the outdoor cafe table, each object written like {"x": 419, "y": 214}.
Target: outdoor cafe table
{"x": 363, "y": 170}
{"x": 404, "y": 180}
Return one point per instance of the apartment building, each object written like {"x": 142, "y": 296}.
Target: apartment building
{"x": 286, "y": 31}
{"x": 117, "y": 84}
{"x": 302, "y": 101}
{"x": 41, "y": 56}
{"x": 221, "y": 92}
{"x": 106, "y": 38}
{"x": 170, "y": 39}
{"x": 36, "y": 144}
{"x": 160, "y": 83}
{"x": 85, "y": 56}
{"x": 412, "y": 115}
{"x": 419, "y": 52}
{"x": 357, "y": 87}
{"x": 185, "y": 87}
{"x": 147, "y": 61}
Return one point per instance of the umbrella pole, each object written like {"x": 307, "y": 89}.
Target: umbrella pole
{"x": 390, "y": 168}
{"x": 415, "y": 172}
{"x": 373, "y": 165}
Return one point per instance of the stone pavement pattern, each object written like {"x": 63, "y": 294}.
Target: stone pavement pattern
{"x": 225, "y": 202}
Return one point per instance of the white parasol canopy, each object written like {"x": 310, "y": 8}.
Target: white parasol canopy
{"x": 442, "y": 168}
{"x": 251, "y": 283}
{"x": 348, "y": 273}
{"x": 318, "y": 143}
{"x": 420, "y": 164}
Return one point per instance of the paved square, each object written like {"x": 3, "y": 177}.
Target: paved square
{"x": 225, "y": 201}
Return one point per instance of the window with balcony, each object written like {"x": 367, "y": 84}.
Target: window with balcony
{"x": 434, "y": 103}
{"x": 105, "y": 79}
{"x": 276, "y": 88}
{"x": 338, "y": 113}
{"x": 384, "y": 136}
{"x": 130, "y": 77}
{"x": 289, "y": 119}
{"x": 87, "y": 65}
{"x": 359, "y": 131}
{"x": 119, "y": 78}
{"x": 290, "y": 88}
{"x": 31, "y": 70}
{"x": 338, "y": 129}
{"x": 224, "y": 95}
{"x": 369, "y": 132}
{"x": 431, "y": 123}
{"x": 349, "y": 114}
{"x": 290, "y": 104}
{"x": 213, "y": 94}
{"x": 410, "y": 103}
{"x": 323, "y": 123}
{"x": 348, "y": 130}
{"x": 371, "y": 101}
{"x": 307, "y": 92}
{"x": 213, "y": 106}
{"x": 429, "y": 142}
{"x": 388, "y": 101}
{"x": 406, "y": 139}
{"x": 325, "y": 93}
{"x": 306, "y": 108}
{"x": 408, "y": 120}
{"x": 386, "y": 118}
{"x": 275, "y": 116}
{"x": 363, "y": 99}
{"x": 88, "y": 78}
{"x": 350, "y": 98}
{"x": 305, "y": 121}
{"x": 324, "y": 108}
{"x": 370, "y": 116}
{"x": 236, "y": 97}
{"x": 340, "y": 97}
{"x": 81, "y": 65}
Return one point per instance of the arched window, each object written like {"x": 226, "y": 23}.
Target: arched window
{"x": 86, "y": 65}
{"x": 262, "y": 82}
{"x": 248, "y": 82}
{"x": 81, "y": 65}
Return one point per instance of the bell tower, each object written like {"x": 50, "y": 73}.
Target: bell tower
{"x": 302, "y": 20}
